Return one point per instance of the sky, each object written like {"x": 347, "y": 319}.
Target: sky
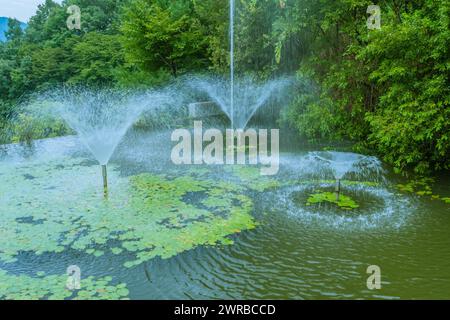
{"x": 22, "y": 10}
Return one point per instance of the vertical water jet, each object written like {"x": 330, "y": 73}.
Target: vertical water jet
{"x": 239, "y": 98}
{"x": 232, "y": 8}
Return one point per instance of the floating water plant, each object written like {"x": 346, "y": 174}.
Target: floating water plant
{"x": 53, "y": 287}
{"x": 149, "y": 215}
{"x": 251, "y": 178}
{"x": 344, "y": 202}
{"x": 332, "y": 182}
{"x": 421, "y": 187}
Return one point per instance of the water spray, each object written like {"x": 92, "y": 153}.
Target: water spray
{"x": 101, "y": 118}
{"x": 340, "y": 164}
{"x": 249, "y": 94}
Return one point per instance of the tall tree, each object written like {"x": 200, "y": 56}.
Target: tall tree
{"x": 164, "y": 34}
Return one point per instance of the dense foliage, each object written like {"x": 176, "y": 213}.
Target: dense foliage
{"x": 387, "y": 90}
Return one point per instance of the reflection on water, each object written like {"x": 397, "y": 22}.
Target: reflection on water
{"x": 296, "y": 251}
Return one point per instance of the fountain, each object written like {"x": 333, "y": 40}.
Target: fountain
{"x": 339, "y": 190}
{"x": 218, "y": 226}
{"x": 239, "y": 99}
{"x": 246, "y": 94}
{"x": 341, "y": 164}
{"x": 102, "y": 117}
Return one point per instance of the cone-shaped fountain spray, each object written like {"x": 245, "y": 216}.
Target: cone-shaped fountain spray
{"x": 324, "y": 164}
{"x": 240, "y": 99}
{"x": 102, "y": 117}
{"x": 340, "y": 165}
{"x": 343, "y": 163}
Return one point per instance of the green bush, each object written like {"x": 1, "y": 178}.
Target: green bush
{"x": 27, "y": 128}
{"x": 313, "y": 118}
{"x": 411, "y": 125}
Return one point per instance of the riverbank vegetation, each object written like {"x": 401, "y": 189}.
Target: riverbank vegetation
{"x": 387, "y": 90}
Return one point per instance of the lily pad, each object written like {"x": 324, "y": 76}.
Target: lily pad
{"x": 53, "y": 287}
{"x": 421, "y": 187}
{"x": 146, "y": 215}
{"x": 344, "y": 201}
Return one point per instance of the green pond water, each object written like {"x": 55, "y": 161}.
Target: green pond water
{"x": 212, "y": 232}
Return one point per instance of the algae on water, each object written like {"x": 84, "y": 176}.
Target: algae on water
{"x": 58, "y": 206}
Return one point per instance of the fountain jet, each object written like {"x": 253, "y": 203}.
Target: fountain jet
{"x": 101, "y": 118}
{"x": 231, "y": 111}
{"x": 338, "y": 189}
{"x": 240, "y": 99}
{"x": 105, "y": 179}
{"x": 323, "y": 164}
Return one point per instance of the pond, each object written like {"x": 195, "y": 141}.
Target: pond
{"x": 212, "y": 232}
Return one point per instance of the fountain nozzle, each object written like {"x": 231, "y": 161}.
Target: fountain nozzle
{"x": 105, "y": 179}
{"x": 338, "y": 188}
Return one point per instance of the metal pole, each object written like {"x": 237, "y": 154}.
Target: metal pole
{"x": 105, "y": 179}
{"x": 338, "y": 188}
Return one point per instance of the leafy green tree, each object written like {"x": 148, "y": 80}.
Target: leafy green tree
{"x": 164, "y": 35}
{"x": 389, "y": 88}
{"x": 14, "y": 30}
{"x": 48, "y": 21}
{"x": 410, "y": 66}
{"x": 97, "y": 57}
{"x": 48, "y": 54}
{"x": 254, "y": 51}
{"x": 213, "y": 16}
